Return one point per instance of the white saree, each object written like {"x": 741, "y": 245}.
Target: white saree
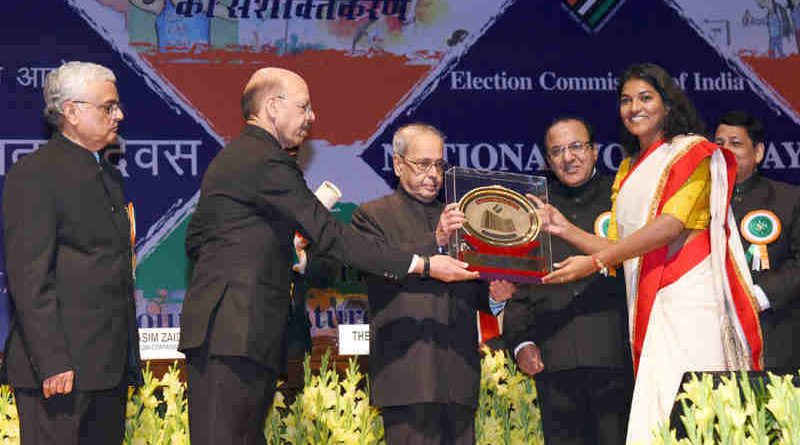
{"x": 693, "y": 324}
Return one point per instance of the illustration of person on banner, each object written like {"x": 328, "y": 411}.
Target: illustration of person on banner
{"x": 180, "y": 25}
{"x": 777, "y": 22}
{"x": 769, "y": 218}
{"x": 795, "y": 14}
{"x": 690, "y": 298}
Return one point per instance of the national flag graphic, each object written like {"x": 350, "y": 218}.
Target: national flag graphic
{"x": 593, "y": 14}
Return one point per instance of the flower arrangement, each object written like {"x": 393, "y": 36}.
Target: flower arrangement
{"x": 507, "y": 410}
{"x": 737, "y": 412}
{"x": 9, "y": 422}
{"x": 332, "y": 410}
{"x": 157, "y": 412}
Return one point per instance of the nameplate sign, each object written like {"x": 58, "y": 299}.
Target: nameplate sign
{"x": 159, "y": 343}
{"x": 353, "y": 339}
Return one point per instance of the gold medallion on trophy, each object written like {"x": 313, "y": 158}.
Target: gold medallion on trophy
{"x": 499, "y": 216}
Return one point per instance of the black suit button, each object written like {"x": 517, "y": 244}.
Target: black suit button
{"x": 390, "y": 275}
{"x": 113, "y": 209}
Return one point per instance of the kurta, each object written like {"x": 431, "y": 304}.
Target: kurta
{"x": 423, "y": 337}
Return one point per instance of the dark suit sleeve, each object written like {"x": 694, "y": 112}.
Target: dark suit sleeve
{"x": 320, "y": 270}
{"x": 30, "y": 246}
{"x": 782, "y": 284}
{"x": 194, "y": 238}
{"x": 480, "y": 291}
{"x": 284, "y": 190}
{"x": 517, "y": 318}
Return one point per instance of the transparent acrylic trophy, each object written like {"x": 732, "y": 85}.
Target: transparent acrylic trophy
{"x": 502, "y": 236}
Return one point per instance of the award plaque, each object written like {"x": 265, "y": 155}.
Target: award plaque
{"x": 501, "y": 237}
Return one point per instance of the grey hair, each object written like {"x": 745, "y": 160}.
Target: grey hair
{"x": 67, "y": 82}
{"x": 402, "y": 137}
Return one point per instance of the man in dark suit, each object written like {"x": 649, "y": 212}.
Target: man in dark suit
{"x": 73, "y": 345}
{"x": 424, "y": 363}
{"x": 252, "y": 200}
{"x": 769, "y": 215}
{"x": 574, "y": 337}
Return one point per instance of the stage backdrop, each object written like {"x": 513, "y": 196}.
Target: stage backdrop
{"x": 490, "y": 73}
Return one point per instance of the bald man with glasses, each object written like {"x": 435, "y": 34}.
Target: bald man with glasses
{"x": 235, "y": 315}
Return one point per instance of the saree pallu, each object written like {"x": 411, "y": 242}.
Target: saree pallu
{"x": 693, "y": 310}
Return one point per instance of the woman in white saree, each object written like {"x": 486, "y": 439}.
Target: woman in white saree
{"x": 690, "y": 302}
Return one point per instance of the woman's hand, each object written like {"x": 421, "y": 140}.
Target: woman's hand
{"x": 552, "y": 220}
{"x": 571, "y": 269}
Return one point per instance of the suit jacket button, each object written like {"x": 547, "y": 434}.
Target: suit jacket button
{"x": 113, "y": 209}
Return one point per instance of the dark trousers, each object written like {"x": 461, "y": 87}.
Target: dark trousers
{"x": 229, "y": 398}
{"x": 585, "y": 405}
{"x": 429, "y": 424}
{"x": 81, "y": 417}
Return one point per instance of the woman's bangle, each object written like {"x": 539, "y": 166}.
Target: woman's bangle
{"x": 598, "y": 264}
{"x": 426, "y": 266}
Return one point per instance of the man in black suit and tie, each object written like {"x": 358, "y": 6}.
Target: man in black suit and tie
{"x": 573, "y": 337}
{"x": 424, "y": 364}
{"x": 73, "y": 345}
{"x": 769, "y": 215}
{"x": 252, "y": 200}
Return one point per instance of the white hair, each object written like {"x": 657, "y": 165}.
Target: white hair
{"x": 402, "y": 137}
{"x": 68, "y": 82}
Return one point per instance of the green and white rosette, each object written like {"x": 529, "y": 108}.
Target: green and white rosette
{"x": 760, "y": 228}
{"x": 601, "y": 229}
{"x": 601, "y": 224}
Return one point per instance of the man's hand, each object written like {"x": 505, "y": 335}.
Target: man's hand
{"x": 447, "y": 269}
{"x": 451, "y": 220}
{"x": 300, "y": 245}
{"x": 529, "y": 360}
{"x": 501, "y": 290}
{"x": 58, "y": 384}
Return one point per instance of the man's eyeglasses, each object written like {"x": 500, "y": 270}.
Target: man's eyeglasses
{"x": 576, "y": 148}
{"x": 109, "y": 109}
{"x": 306, "y": 108}
{"x": 424, "y": 165}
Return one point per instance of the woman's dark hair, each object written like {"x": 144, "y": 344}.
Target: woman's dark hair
{"x": 682, "y": 118}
